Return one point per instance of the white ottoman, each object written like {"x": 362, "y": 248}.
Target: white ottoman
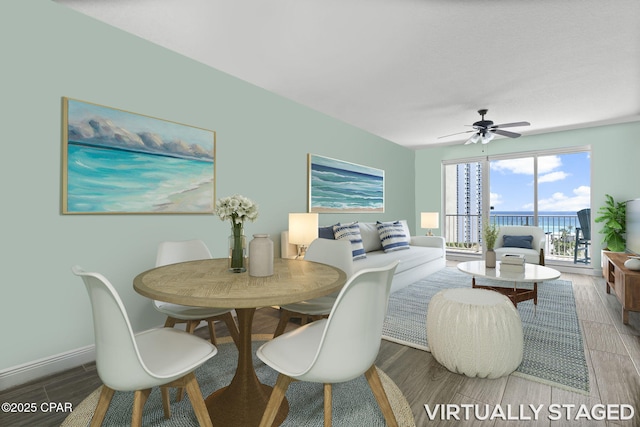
{"x": 475, "y": 332}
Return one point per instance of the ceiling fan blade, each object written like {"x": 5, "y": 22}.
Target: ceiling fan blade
{"x": 511, "y": 125}
{"x": 446, "y": 136}
{"x": 505, "y": 133}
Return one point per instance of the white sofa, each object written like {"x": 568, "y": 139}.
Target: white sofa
{"x": 426, "y": 254}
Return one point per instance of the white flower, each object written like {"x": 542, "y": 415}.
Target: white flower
{"x": 236, "y": 208}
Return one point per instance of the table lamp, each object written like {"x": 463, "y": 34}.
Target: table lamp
{"x": 303, "y": 229}
{"x": 429, "y": 220}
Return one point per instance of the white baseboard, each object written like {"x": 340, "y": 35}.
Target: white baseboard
{"x": 36, "y": 369}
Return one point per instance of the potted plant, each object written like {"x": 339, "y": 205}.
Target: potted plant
{"x": 490, "y": 234}
{"x": 613, "y": 215}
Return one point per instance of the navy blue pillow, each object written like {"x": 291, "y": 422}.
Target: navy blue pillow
{"x": 517, "y": 242}
{"x": 326, "y": 232}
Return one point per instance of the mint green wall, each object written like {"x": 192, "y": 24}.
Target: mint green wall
{"x": 50, "y": 51}
{"x": 615, "y": 153}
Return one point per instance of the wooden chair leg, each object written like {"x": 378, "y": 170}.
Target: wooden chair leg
{"x": 381, "y": 396}
{"x": 232, "y": 327}
{"x": 285, "y": 315}
{"x": 191, "y": 325}
{"x": 212, "y": 331}
{"x": 139, "y": 399}
{"x": 277, "y": 395}
{"x": 197, "y": 401}
{"x": 166, "y": 403}
{"x": 170, "y": 322}
{"x": 180, "y": 394}
{"x": 103, "y": 404}
{"x": 327, "y": 405}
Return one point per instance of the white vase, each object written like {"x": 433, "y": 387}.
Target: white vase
{"x": 261, "y": 256}
{"x": 490, "y": 259}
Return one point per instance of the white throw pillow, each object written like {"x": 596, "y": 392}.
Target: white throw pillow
{"x": 392, "y": 236}
{"x": 352, "y": 233}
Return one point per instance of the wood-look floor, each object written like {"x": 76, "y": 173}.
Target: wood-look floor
{"x": 612, "y": 350}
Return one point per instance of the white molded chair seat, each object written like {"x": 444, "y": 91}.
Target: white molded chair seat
{"x": 336, "y": 349}
{"x": 191, "y": 250}
{"x": 126, "y": 362}
{"x": 338, "y": 256}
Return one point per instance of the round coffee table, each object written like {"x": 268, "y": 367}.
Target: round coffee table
{"x": 533, "y": 273}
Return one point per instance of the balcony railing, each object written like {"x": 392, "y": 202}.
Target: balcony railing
{"x": 464, "y": 232}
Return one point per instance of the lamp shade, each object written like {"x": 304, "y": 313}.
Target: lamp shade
{"x": 429, "y": 220}
{"x": 303, "y": 228}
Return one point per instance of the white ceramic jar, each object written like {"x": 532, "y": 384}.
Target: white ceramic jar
{"x": 261, "y": 256}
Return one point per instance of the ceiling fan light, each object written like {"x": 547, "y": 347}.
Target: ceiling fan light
{"x": 488, "y": 136}
{"x": 474, "y": 138}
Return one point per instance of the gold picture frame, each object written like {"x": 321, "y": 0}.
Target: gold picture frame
{"x": 119, "y": 162}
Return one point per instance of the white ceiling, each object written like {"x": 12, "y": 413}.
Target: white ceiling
{"x": 412, "y": 70}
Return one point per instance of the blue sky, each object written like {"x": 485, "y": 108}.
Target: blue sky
{"x": 563, "y": 183}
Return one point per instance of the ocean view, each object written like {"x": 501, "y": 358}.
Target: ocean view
{"x": 551, "y": 221}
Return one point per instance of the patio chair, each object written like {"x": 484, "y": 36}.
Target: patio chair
{"x": 583, "y": 237}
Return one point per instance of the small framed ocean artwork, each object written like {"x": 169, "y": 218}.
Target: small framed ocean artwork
{"x": 339, "y": 186}
{"x": 118, "y": 162}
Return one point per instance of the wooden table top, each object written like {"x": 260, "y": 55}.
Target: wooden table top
{"x": 208, "y": 283}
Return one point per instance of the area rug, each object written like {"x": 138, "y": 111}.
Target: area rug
{"x": 553, "y": 346}
{"x": 353, "y": 401}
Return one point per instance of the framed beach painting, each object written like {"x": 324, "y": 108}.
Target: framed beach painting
{"x": 339, "y": 186}
{"x": 118, "y": 162}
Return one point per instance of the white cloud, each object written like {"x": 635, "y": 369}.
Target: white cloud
{"x": 547, "y": 164}
{"x": 524, "y": 166}
{"x": 495, "y": 199}
{"x": 552, "y": 177}
{"x": 561, "y": 202}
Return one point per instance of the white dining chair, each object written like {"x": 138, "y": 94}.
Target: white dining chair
{"x": 191, "y": 250}
{"x": 162, "y": 357}
{"x": 336, "y": 349}
{"x": 326, "y": 252}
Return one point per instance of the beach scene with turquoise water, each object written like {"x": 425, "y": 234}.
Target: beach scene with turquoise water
{"x": 120, "y": 162}
{"x": 338, "y": 186}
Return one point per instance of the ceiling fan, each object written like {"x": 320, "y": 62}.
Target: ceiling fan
{"x": 485, "y": 130}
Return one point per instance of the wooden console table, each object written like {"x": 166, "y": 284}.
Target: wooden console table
{"x": 625, "y": 282}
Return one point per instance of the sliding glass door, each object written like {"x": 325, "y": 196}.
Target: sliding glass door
{"x": 544, "y": 189}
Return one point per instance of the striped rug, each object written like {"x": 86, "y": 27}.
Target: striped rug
{"x": 553, "y": 346}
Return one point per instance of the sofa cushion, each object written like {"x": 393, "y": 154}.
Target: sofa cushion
{"x": 370, "y": 236}
{"x": 392, "y": 236}
{"x": 415, "y": 256}
{"x": 352, "y": 233}
{"x": 517, "y": 242}
{"x": 326, "y": 232}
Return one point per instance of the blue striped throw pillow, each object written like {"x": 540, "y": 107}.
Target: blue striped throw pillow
{"x": 392, "y": 236}
{"x": 351, "y": 232}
